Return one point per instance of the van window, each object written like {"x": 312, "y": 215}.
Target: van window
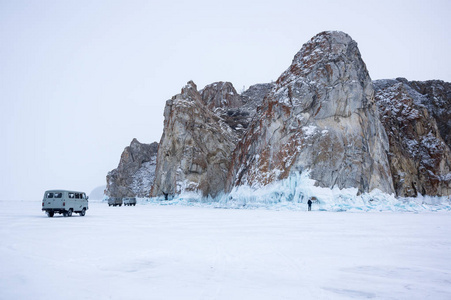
{"x": 77, "y": 196}
{"x": 49, "y": 195}
{"x": 71, "y": 195}
{"x": 83, "y": 196}
{"x": 58, "y": 195}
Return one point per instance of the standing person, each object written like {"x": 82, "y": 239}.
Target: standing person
{"x": 309, "y": 204}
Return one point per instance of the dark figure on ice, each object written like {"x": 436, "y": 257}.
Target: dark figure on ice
{"x": 309, "y": 204}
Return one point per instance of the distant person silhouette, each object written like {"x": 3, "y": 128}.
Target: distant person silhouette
{"x": 309, "y": 204}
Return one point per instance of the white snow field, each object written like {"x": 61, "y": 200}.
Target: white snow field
{"x": 185, "y": 252}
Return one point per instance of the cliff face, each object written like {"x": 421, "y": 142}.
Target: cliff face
{"x": 437, "y": 99}
{"x": 200, "y": 132}
{"x": 420, "y": 160}
{"x": 194, "y": 152}
{"x": 135, "y": 173}
{"x": 323, "y": 115}
{"x": 201, "y": 129}
{"x": 235, "y": 110}
{"x": 319, "y": 117}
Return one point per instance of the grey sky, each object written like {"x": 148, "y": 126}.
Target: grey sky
{"x": 80, "y": 79}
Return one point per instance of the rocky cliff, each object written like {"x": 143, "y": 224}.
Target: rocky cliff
{"x": 437, "y": 99}
{"x": 420, "y": 160}
{"x": 197, "y": 123}
{"x": 195, "y": 148}
{"x": 135, "y": 173}
{"x": 235, "y": 110}
{"x": 321, "y": 118}
{"x": 201, "y": 130}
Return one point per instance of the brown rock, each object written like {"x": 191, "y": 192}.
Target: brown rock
{"x": 195, "y": 148}
{"x": 437, "y": 99}
{"x": 420, "y": 160}
{"x": 135, "y": 173}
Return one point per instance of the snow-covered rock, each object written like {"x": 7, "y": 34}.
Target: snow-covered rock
{"x": 235, "y": 110}
{"x": 320, "y": 116}
{"x": 201, "y": 130}
{"x": 256, "y": 93}
{"x": 195, "y": 148}
{"x": 420, "y": 160}
{"x": 437, "y": 99}
{"x": 135, "y": 173}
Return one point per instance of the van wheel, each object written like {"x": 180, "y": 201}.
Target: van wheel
{"x": 69, "y": 212}
{"x": 50, "y": 214}
{"x": 64, "y": 213}
{"x": 83, "y": 212}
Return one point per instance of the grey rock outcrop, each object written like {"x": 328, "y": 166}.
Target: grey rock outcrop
{"x": 221, "y": 95}
{"x": 437, "y": 99}
{"x": 319, "y": 117}
{"x": 201, "y": 130}
{"x": 420, "y": 160}
{"x": 256, "y": 93}
{"x": 135, "y": 173}
{"x": 195, "y": 148}
{"x": 235, "y": 110}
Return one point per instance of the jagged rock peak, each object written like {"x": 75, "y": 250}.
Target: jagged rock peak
{"x": 319, "y": 117}
{"x": 189, "y": 92}
{"x": 194, "y": 148}
{"x": 138, "y": 153}
{"x": 221, "y": 95}
{"x": 323, "y": 48}
{"x": 189, "y": 85}
{"x": 135, "y": 173}
{"x": 327, "y": 74}
{"x": 137, "y": 147}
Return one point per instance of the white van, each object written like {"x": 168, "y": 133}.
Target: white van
{"x": 64, "y": 202}
{"x": 129, "y": 201}
{"x": 114, "y": 201}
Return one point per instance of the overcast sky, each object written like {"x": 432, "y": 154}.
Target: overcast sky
{"x": 80, "y": 79}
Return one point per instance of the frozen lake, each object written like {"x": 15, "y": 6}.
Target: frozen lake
{"x": 179, "y": 252}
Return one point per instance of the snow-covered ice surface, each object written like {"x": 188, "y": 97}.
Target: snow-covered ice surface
{"x": 191, "y": 252}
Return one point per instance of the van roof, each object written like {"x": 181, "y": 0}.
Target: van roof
{"x": 61, "y": 191}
